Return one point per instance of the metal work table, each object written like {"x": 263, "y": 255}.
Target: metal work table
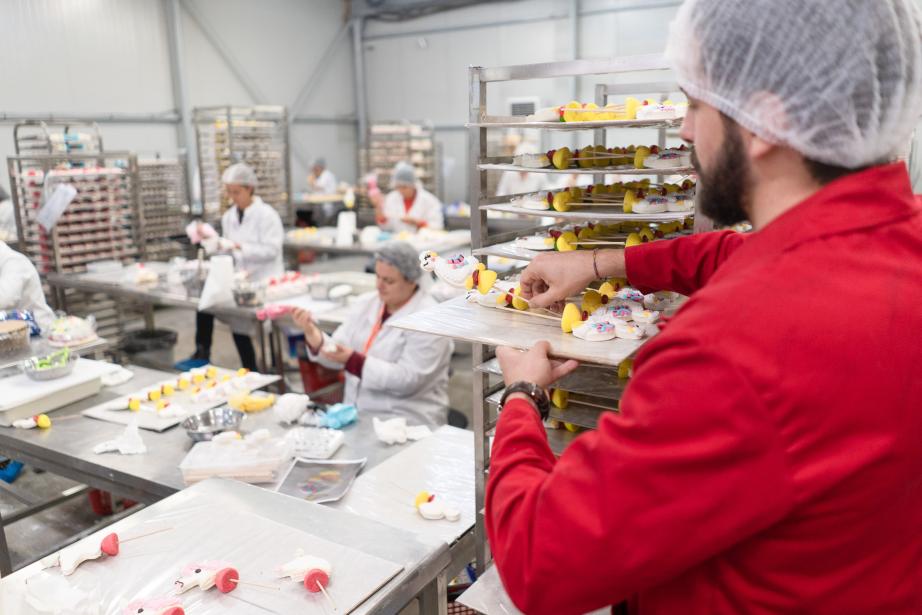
{"x": 422, "y": 559}
{"x": 166, "y": 294}
{"x": 453, "y": 240}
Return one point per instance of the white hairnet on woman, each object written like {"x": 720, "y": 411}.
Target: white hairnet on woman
{"x": 403, "y": 257}
{"x": 409, "y": 206}
{"x": 390, "y": 372}
{"x": 240, "y": 174}
{"x": 839, "y": 81}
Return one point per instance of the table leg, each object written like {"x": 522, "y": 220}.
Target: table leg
{"x": 276, "y": 333}
{"x": 434, "y": 597}
{"x": 263, "y": 355}
{"x": 6, "y": 564}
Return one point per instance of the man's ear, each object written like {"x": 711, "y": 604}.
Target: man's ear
{"x": 758, "y": 147}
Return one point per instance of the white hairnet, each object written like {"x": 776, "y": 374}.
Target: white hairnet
{"x": 404, "y": 175}
{"x": 403, "y": 257}
{"x": 840, "y": 81}
{"x": 240, "y": 174}
{"x": 320, "y": 162}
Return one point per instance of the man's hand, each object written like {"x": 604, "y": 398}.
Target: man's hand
{"x": 413, "y": 221}
{"x": 533, "y": 366}
{"x": 340, "y": 355}
{"x": 550, "y": 278}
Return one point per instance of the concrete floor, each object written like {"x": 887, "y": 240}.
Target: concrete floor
{"x": 32, "y": 537}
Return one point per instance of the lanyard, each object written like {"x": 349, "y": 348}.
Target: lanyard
{"x": 374, "y": 331}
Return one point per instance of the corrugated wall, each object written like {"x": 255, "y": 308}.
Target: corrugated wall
{"x": 111, "y": 56}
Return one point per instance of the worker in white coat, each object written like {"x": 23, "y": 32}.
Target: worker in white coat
{"x": 322, "y": 181}
{"x": 409, "y": 206}
{"x": 7, "y": 217}
{"x": 389, "y": 372}
{"x": 252, "y": 231}
{"x": 21, "y": 288}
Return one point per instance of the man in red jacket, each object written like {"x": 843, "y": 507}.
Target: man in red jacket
{"x": 768, "y": 453}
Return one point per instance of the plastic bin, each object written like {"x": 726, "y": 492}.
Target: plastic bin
{"x": 153, "y": 346}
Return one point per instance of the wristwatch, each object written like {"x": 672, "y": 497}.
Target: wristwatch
{"x": 536, "y": 393}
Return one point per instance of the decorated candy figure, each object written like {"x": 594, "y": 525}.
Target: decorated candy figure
{"x": 170, "y": 605}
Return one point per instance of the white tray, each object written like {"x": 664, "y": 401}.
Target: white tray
{"x": 22, "y": 397}
{"x": 470, "y": 322}
{"x": 153, "y": 422}
{"x": 590, "y": 213}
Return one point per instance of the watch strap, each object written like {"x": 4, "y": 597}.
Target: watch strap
{"x": 533, "y": 391}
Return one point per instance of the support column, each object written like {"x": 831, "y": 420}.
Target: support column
{"x": 184, "y": 136}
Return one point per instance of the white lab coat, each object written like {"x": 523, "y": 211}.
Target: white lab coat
{"x": 405, "y": 373}
{"x": 425, "y": 207}
{"x": 7, "y": 221}
{"x": 325, "y": 184}
{"x": 512, "y": 182}
{"x": 21, "y": 288}
{"x": 260, "y": 236}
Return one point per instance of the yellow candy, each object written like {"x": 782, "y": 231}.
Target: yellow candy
{"x": 618, "y": 283}
{"x": 586, "y": 157}
{"x": 561, "y": 201}
{"x": 570, "y": 318}
{"x": 592, "y": 301}
{"x": 196, "y": 390}
{"x": 42, "y": 421}
{"x": 153, "y": 395}
{"x": 486, "y": 281}
{"x": 226, "y": 378}
{"x": 561, "y": 158}
{"x": 647, "y": 234}
{"x": 565, "y": 240}
{"x": 211, "y": 372}
{"x": 211, "y": 384}
{"x": 198, "y": 378}
{"x": 421, "y": 498}
{"x": 640, "y": 155}
{"x": 630, "y": 107}
{"x": 517, "y": 302}
{"x": 630, "y": 197}
{"x": 625, "y": 368}
{"x": 134, "y": 404}
{"x": 572, "y": 427}
{"x": 607, "y": 290}
{"x": 243, "y": 371}
{"x": 633, "y": 240}
{"x": 570, "y": 116}
{"x": 576, "y": 193}
{"x": 162, "y": 404}
{"x": 167, "y": 390}
{"x": 602, "y": 159}
{"x": 560, "y": 398}
{"x": 549, "y": 241}
{"x": 182, "y": 384}
{"x": 586, "y": 233}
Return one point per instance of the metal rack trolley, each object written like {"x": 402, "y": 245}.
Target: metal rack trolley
{"x": 56, "y": 137}
{"x": 101, "y": 223}
{"x": 486, "y": 388}
{"x": 393, "y": 142}
{"x": 164, "y": 207}
{"x": 257, "y": 136}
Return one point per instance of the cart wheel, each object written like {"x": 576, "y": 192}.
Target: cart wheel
{"x": 226, "y": 579}
{"x": 314, "y": 578}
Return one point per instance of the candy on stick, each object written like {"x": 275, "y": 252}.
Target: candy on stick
{"x": 69, "y": 558}
{"x": 212, "y": 573}
{"x": 170, "y": 605}
{"x": 313, "y": 572}
{"x": 39, "y": 420}
{"x": 433, "y": 508}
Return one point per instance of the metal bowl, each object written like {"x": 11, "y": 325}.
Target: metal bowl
{"x": 32, "y": 370}
{"x": 248, "y": 296}
{"x": 208, "y": 424}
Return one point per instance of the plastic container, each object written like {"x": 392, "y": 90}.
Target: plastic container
{"x": 153, "y": 346}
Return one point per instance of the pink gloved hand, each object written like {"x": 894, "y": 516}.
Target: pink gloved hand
{"x": 272, "y": 312}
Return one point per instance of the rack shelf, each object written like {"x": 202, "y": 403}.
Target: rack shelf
{"x": 598, "y": 213}
{"x": 490, "y": 166}
{"x": 521, "y": 122}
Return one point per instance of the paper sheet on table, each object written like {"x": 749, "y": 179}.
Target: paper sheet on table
{"x": 55, "y": 205}
{"x": 254, "y": 546}
{"x": 442, "y": 464}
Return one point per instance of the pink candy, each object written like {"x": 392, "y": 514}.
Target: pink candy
{"x": 271, "y": 312}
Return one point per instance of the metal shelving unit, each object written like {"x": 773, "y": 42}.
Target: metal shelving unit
{"x": 392, "y": 142}
{"x": 164, "y": 207}
{"x": 257, "y": 136}
{"x": 487, "y": 385}
{"x": 102, "y": 222}
{"x": 56, "y": 137}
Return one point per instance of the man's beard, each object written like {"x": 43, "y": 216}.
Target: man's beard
{"x": 723, "y": 190}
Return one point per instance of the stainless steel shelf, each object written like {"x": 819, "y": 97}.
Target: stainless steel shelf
{"x": 521, "y": 122}
{"x": 590, "y": 214}
{"x": 590, "y": 171}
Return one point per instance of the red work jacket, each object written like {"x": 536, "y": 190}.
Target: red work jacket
{"x": 768, "y": 453}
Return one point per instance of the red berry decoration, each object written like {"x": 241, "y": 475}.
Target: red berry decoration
{"x": 226, "y": 580}
{"x": 584, "y": 315}
{"x": 109, "y": 544}
{"x": 314, "y": 579}
{"x": 654, "y": 149}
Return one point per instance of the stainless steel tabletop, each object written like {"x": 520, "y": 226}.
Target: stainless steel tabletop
{"x": 67, "y": 448}
{"x": 422, "y": 558}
